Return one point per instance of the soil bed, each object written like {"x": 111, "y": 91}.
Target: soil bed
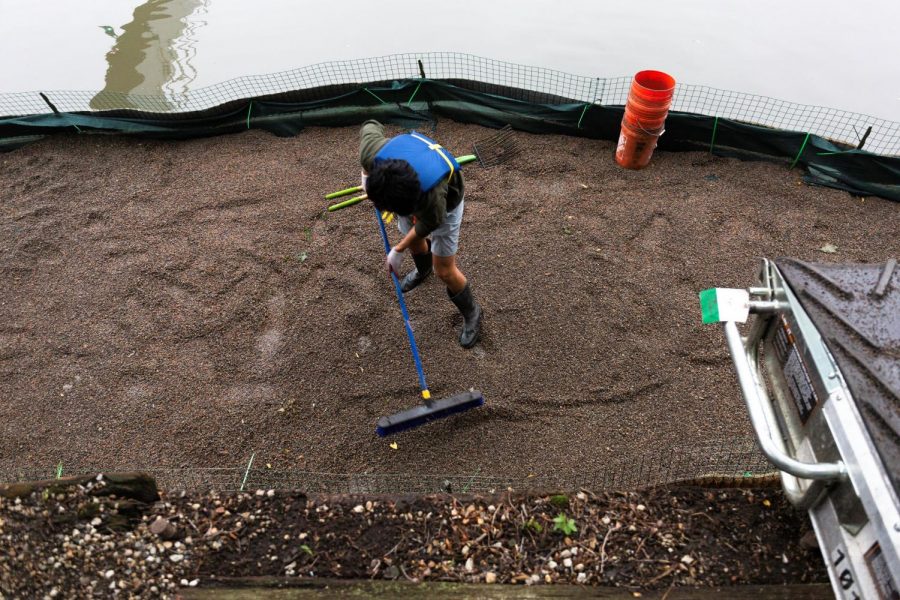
{"x": 167, "y": 304}
{"x": 82, "y": 542}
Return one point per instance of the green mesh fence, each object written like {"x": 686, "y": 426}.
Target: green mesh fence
{"x": 737, "y": 461}
{"x": 531, "y": 84}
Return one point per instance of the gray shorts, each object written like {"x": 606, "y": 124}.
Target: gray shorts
{"x": 444, "y": 239}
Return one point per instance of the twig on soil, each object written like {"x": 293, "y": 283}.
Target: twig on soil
{"x": 603, "y": 546}
{"x": 665, "y": 573}
{"x": 493, "y": 517}
{"x": 191, "y": 523}
{"x": 641, "y": 545}
{"x": 412, "y": 579}
{"x": 394, "y": 549}
{"x": 702, "y": 514}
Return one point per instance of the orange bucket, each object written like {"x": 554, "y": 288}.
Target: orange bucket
{"x": 636, "y": 146}
{"x": 645, "y": 115}
{"x": 654, "y": 87}
{"x": 644, "y": 120}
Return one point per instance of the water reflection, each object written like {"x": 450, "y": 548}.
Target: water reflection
{"x": 150, "y": 64}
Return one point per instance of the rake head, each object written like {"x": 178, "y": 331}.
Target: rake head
{"x": 497, "y": 148}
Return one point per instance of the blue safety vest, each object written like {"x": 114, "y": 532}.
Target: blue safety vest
{"x": 431, "y": 161}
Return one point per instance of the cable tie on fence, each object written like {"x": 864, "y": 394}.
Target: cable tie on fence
{"x": 586, "y": 107}
{"x": 249, "y": 108}
{"x": 50, "y": 104}
{"x": 416, "y": 91}
{"x": 376, "y": 96}
{"x": 802, "y": 147}
{"x": 247, "y": 472}
{"x": 713, "y": 139}
{"x": 862, "y": 142}
{"x": 421, "y": 68}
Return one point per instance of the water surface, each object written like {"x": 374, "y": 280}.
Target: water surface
{"x": 837, "y": 54}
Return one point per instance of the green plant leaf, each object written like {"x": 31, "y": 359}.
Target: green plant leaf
{"x": 533, "y": 525}
{"x": 564, "y": 524}
{"x": 560, "y": 501}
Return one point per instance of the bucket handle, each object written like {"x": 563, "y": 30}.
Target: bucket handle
{"x": 641, "y": 127}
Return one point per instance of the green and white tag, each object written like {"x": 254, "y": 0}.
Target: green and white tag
{"x": 724, "y": 304}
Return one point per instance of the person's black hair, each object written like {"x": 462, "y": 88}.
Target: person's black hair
{"x": 393, "y": 185}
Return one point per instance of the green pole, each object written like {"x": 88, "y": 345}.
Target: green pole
{"x": 806, "y": 139}
{"x": 713, "y": 139}
{"x": 346, "y": 192}
{"x": 347, "y": 203}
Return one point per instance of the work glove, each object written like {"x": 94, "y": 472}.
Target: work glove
{"x": 387, "y": 216}
{"x": 393, "y": 261}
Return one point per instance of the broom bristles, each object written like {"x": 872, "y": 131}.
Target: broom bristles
{"x": 425, "y": 413}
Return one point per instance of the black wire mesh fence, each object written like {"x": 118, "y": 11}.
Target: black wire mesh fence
{"x": 531, "y": 84}
{"x": 733, "y": 462}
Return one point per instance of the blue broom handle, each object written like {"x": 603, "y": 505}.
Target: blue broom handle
{"x": 409, "y": 331}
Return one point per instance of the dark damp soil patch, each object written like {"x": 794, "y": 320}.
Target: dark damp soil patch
{"x": 188, "y": 303}
{"x": 82, "y": 542}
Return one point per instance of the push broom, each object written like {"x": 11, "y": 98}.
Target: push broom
{"x": 429, "y": 410}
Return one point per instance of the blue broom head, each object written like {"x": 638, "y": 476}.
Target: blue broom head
{"x": 430, "y": 411}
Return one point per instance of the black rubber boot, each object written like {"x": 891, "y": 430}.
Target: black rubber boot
{"x": 471, "y": 312}
{"x": 424, "y": 267}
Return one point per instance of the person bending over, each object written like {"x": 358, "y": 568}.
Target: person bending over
{"x": 420, "y": 181}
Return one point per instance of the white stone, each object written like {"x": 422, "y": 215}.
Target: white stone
{"x": 470, "y": 565}
{"x": 567, "y": 563}
{"x": 582, "y": 577}
{"x": 552, "y": 565}
{"x": 359, "y": 508}
{"x": 176, "y": 557}
{"x": 109, "y": 574}
{"x": 687, "y": 559}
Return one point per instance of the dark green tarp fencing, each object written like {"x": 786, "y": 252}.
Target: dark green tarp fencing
{"x": 417, "y": 103}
